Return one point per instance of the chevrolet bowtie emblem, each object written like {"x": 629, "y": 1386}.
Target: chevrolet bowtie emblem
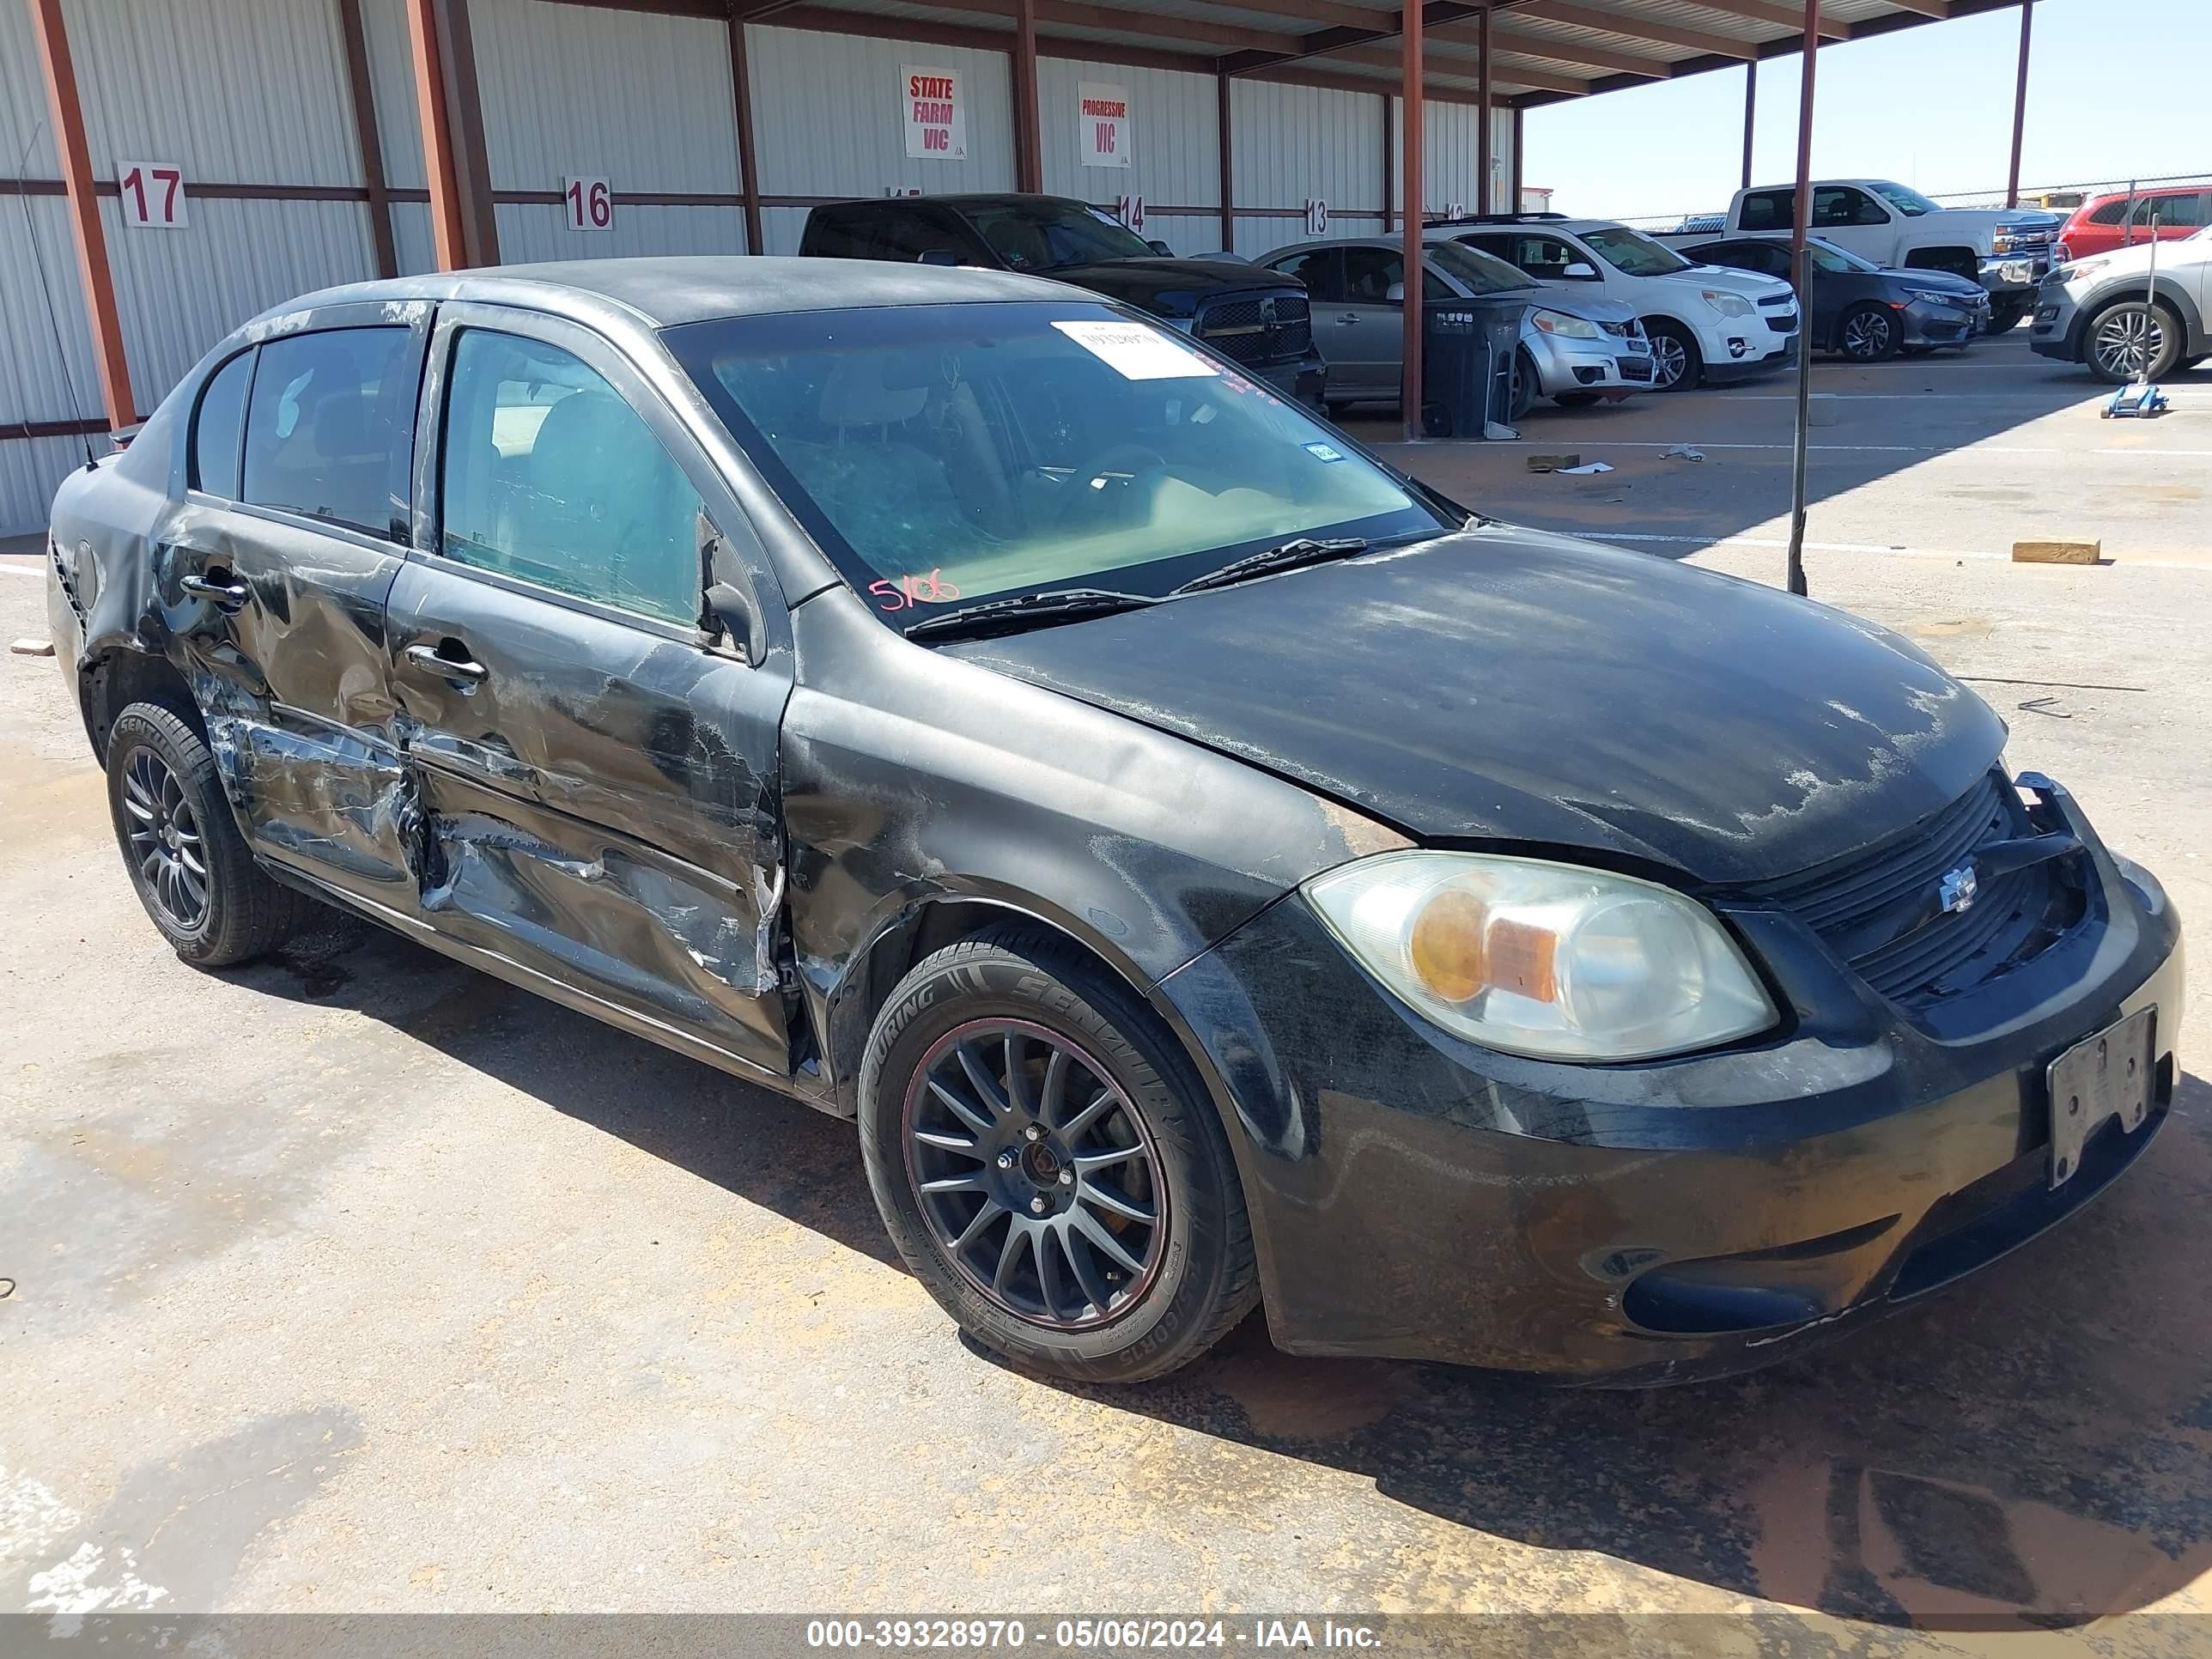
{"x": 1955, "y": 892}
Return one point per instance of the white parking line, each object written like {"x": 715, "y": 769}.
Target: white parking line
{"x": 1595, "y": 535}
{"x": 14, "y": 569}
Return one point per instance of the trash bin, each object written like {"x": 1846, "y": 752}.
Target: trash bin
{"x": 1467, "y": 348}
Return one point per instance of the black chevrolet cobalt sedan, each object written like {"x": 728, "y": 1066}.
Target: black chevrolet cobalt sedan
{"x": 1211, "y": 867}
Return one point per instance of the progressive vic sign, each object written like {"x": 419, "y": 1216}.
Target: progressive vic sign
{"x": 1102, "y": 125}
{"x": 936, "y": 113}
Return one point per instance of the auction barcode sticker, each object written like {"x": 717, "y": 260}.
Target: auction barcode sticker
{"x": 1136, "y": 352}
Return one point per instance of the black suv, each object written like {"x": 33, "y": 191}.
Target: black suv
{"x": 1256, "y": 318}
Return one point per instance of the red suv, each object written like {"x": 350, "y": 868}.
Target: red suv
{"x": 2104, "y": 222}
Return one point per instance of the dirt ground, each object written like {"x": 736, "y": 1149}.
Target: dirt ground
{"x": 355, "y": 1281}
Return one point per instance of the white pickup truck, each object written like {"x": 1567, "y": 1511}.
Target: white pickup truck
{"x": 2007, "y": 249}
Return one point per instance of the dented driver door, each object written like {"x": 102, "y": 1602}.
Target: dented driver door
{"x": 598, "y": 769}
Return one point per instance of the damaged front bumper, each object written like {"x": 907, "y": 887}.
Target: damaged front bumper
{"x": 1415, "y": 1196}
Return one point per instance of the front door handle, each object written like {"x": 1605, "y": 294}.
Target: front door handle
{"x": 448, "y": 659}
{"x": 218, "y": 590}
{"x": 1346, "y": 318}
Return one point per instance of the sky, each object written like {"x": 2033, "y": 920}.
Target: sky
{"x": 2108, "y": 97}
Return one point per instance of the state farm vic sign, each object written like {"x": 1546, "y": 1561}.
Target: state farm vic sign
{"x": 1102, "y": 125}
{"x": 936, "y": 113}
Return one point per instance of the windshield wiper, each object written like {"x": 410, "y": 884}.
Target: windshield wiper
{"x": 1288, "y": 555}
{"x": 1066, "y": 604}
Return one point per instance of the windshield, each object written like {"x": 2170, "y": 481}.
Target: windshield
{"x": 1043, "y": 234}
{"x": 1907, "y": 201}
{"x": 1633, "y": 253}
{"x": 1828, "y": 257}
{"x": 958, "y": 452}
{"x": 1475, "y": 271}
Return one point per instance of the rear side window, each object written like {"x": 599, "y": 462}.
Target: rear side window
{"x": 833, "y": 234}
{"x": 1770, "y": 210}
{"x": 549, "y": 475}
{"x": 219, "y": 427}
{"x": 331, "y": 426}
{"x": 2109, "y": 213}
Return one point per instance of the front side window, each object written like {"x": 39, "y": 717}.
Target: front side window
{"x": 331, "y": 425}
{"x": 1632, "y": 253}
{"x": 548, "y": 474}
{"x": 1318, "y": 268}
{"x": 1906, "y": 200}
{"x": 218, "y": 429}
{"x": 1041, "y": 234}
{"x": 944, "y": 454}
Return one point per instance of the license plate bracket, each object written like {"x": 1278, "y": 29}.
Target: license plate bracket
{"x": 2100, "y": 1077}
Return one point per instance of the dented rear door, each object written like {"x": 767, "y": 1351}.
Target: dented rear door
{"x": 600, "y": 772}
{"x": 273, "y": 574}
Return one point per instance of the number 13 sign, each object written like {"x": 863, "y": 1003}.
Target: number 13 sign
{"x": 153, "y": 195}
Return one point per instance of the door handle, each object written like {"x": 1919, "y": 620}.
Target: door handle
{"x": 460, "y": 666}
{"x": 1345, "y": 318}
{"x": 223, "y": 594}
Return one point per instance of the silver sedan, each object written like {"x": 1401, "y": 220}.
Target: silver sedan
{"x": 1573, "y": 349}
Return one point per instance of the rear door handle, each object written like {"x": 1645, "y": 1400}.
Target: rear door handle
{"x": 223, "y": 595}
{"x": 458, "y": 666}
{"x": 1345, "y": 318}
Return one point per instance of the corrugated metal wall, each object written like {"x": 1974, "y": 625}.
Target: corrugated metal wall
{"x": 1175, "y": 147}
{"x": 638, "y": 98}
{"x": 285, "y": 117}
{"x": 829, "y": 115}
{"x": 1291, "y": 144}
{"x": 1453, "y": 135}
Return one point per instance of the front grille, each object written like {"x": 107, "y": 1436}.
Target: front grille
{"x": 1269, "y": 329}
{"x": 1633, "y": 368}
{"x": 1783, "y": 322}
{"x": 1776, "y": 301}
{"x": 1873, "y": 908}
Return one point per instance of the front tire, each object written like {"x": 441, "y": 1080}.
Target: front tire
{"x": 1047, "y": 1165}
{"x": 1575, "y": 399}
{"x": 1677, "y": 365}
{"x": 1868, "y": 334}
{"x": 2123, "y": 338}
{"x": 1526, "y": 385}
{"x": 190, "y": 865}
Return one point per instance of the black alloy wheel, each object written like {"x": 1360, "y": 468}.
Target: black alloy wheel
{"x": 1049, "y": 1162}
{"x": 1037, "y": 1176}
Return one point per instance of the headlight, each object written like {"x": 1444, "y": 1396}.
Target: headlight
{"x": 1566, "y": 327}
{"x": 2067, "y": 274}
{"x": 1551, "y": 960}
{"x": 1936, "y": 296}
{"x": 1728, "y": 305}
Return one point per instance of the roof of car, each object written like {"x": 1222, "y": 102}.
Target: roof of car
{"x": 663, "y": 293}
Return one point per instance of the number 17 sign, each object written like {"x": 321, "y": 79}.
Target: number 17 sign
{"x": 153, "y": 195}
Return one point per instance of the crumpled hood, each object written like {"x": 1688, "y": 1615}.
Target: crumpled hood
{"x": 1507, "y": 685}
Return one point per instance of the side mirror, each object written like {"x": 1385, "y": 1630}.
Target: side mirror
{"x": 941, "y": 256}
{"x": 732, "y": 616}
{"x": 1160, "y": 247}
{"x": 1394, "y": 294}
{"x": 1581, "y": 270}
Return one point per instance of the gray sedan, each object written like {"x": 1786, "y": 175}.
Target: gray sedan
{"x": 1574, "y": 350}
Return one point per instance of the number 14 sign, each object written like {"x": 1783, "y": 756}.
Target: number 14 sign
{"x": 153, "y": 195}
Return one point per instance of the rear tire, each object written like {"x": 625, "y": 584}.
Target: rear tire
{"x": 179, "y": 843}
{"x": 2121, "y": 337}
{"x": 1677, "y": 365}
{"x": 957, "y": 1073}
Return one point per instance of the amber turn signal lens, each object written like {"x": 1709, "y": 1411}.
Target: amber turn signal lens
{"x": 1446, "y": 947}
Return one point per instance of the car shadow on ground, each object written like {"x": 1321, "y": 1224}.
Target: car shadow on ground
{"x": 2033, "y": 1448}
